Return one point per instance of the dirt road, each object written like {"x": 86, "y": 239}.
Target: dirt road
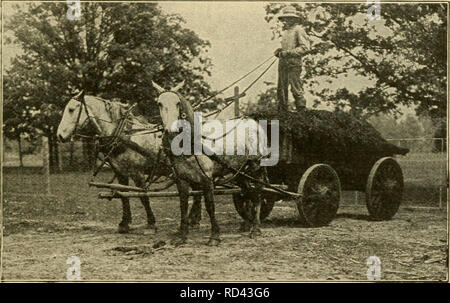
{"x": 412, "y": 246}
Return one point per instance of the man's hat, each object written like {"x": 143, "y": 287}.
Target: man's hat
{"x": 289, "y": 12}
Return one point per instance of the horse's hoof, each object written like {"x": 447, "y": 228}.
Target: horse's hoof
{"x": 214, "y": 242}
{"x": 124, "y": 229}
{"x": 179, "y": 242}
{"x": 159, "y": 244}
{"x": 152, "y": 227}
{"x": 255, "y": 233}
{"x": 194, "y": 225}
{"x": 244, "y": 227}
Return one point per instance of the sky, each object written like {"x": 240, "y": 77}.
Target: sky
{"x": 240, "y": 40}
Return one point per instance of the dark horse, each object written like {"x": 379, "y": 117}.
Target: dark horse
{"x": 127, "y": 162}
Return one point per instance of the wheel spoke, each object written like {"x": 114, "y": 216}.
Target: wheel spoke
{"x": 320, "y": 191}
{"x": 384, "y": 189}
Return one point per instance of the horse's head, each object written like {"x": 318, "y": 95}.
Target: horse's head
{"x": 74, "y": 117}
{"x": 82, "y": 110}
{"x": 173, "y": 108}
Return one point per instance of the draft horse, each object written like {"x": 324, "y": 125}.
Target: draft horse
{"x": 199, "y": 171}
{"x": 112, "y": 121}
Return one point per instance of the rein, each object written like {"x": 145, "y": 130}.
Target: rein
{"x": 182, "y": 115}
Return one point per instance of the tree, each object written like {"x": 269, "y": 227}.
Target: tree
{"x": 114, "y": 50}
{"x": 386, "y": 125}
{"x": 265, "y": 100}
{"x": 441, "y": 133}
{"x": 18, "y": 117}
{"x": 403, "y": 56}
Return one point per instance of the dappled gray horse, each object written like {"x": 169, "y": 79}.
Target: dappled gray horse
{"x": 125, "y": 158}
{"x": 199, "y": 171}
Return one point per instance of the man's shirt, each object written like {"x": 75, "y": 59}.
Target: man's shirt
{"x": 295, "y": 41}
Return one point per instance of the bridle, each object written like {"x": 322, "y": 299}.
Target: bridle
{"x": 112, "y": 142}
{"x": 182, "y": 115}
{"x": 237, "y": 172}
{"x": 80, "y": 98}
{"x": 83, "y": 106}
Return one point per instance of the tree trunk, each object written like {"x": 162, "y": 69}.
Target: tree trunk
{"x": 57, "y": 154}
{"x": 53, "y": 151}
{"x": 51, "y": 158}
{"x": 88, "y": 155}
{"x": 19, "y": 141}
{"x": 71, "y": 151}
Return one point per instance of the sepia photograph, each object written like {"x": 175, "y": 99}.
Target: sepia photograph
{"x": 224, "y": 141}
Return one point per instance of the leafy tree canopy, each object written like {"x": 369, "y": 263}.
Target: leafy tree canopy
{"x": 403, "y": 56}
{"x": 114, "y": 50}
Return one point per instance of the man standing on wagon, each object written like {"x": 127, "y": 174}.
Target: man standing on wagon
{"x": 294, "y": 45}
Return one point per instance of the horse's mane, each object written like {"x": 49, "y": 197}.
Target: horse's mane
{"x": 187, "y": 108}
{"x": 114, "y": 108}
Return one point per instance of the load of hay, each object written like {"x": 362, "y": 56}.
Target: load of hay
{"x": 350, "y": 145}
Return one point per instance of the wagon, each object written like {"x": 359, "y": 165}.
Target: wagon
{"x": 319, "y": 188}
{"x": 363, "y": 162}
{"x": 313, "y": 178}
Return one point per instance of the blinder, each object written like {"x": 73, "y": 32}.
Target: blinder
{"x": 80, "y": 98}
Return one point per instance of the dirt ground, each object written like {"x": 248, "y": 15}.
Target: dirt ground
{"x": 40, "y": 233}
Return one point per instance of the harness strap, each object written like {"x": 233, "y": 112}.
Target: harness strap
{"x": 266, "y": 184}
{"x": 224, "y": 135}
{"x": 78, "y": 117}
{"x": 201, "y": 168}
{"x": 230, "y": 179}
{"x": 238, "y": 80}
{"x": 232, "y": 100}
{"x": 150, "y": 180}
{"x": 105, "y": 159}
{"x": 113, "y": 144}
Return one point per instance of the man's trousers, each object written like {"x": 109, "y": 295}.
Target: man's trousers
{"x": 289, "y": 74}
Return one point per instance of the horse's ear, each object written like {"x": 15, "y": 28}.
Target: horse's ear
{"x": 179, "y": 86}
{"x": 79, "y": 96}
{"x": 158, "y": 88}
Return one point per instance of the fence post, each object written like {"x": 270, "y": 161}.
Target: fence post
{"x": 46, "y": 164}
{"x": 60, "y": 155}
{"x": 236, "y": 101}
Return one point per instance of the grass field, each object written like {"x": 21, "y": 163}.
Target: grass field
{"x": 41, "y": 232}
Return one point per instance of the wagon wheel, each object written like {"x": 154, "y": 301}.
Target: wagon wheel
{"x": 320, "y": 191}
{"x": 242, "y": 205}
{"x": 384, "y": 189}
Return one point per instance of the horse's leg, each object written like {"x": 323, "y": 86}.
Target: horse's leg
{"x": 195, "y": 215}
{"x": 256, "y": 203}
{"x": 146, "y": 203}
{"x": 126, "y": 210}
{"x": 208, "y": 191}
{"x": 255, "y": 194}
{"x": 183, "y": 191}
{"x": 246, "y": 191}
